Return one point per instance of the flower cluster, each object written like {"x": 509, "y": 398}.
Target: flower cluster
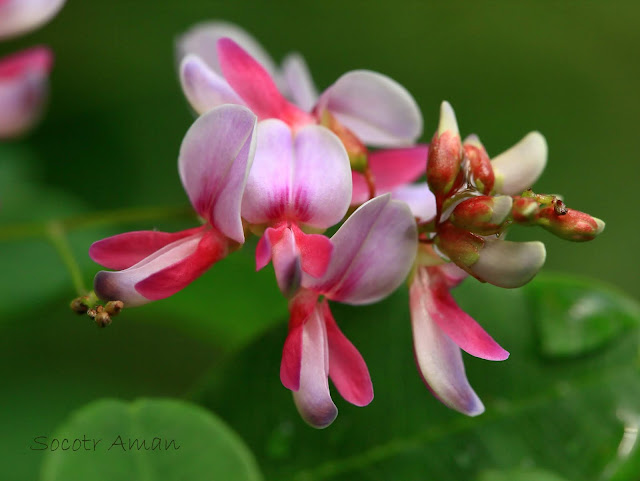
{"x": 268, "y": 156}
{"x": 24, "y": 76}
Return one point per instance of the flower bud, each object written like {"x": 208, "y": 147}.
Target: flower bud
{"x": 482, "y": 215}
{"x": 445, "y": 155}
{"x": 460, "y": 246}
{"x": 524, "y": 210}
{"x": 113, "y": 308}
{"x": 573, "y": 225}
{"x": 480, "y": 168}
{"x": 78, "y": 306}
{"x": 102, "y": 319}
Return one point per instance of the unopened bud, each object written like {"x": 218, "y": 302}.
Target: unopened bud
{"x": 480, "y": 169}
{"x": 573, "y": 225}
{"x": 460, "y": 246}
{"x": 92, "y": 313}
{"x": 524, "y": 210}
{"x": 102, "y": 319}
{"x": 445, "y": 154}
{"x": 78, "y": 306}
{"x": 113, "y": 308}
{"x": 482, "y": 215}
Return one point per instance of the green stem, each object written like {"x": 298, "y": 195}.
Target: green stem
{"x": 56, "y": 235}
{"x": 41, "y": 229}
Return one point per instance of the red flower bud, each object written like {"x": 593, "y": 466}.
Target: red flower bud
{"x": 460, "y": 246}
{"x": 445, "y": 155}
{"x": 479, "y": 165}
{"x": 482, "y": 215}
{"x": 573, "y": 225}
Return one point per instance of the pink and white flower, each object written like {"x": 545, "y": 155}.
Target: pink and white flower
{"x": 361, "y": 107}
{"x": 21, "y": 16}
{"x": 214, "y": 162}
{"x": 24, "y": 86}
{"x": 300, "y": 180}
{"x": 373, "y": 253}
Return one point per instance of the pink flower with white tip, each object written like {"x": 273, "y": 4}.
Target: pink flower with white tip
{"x": 214, "y": 162}
{"x": 361, "y": 107}
{"x": 24, "y": 85}
{"x": 300, "y": 180}
{"x": 373, "y": 253}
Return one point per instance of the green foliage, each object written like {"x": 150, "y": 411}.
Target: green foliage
{"x": 519, "y": 475}
{"x": 148, "y": 439}
{"x": 562, "y": 416}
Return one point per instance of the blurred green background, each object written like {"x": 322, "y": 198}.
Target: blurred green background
{"x": 110, "y": 140}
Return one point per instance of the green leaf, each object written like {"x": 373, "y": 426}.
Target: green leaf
{"x": 560, "y": 416}
{"x": 575, "y": 316}
{"x": 148, "y": 439}
{"x": 53, "y": 361}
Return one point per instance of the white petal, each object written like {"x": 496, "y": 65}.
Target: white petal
{"x": 518, "y": 168}
{"x": 298, "y": 81}
{"x": 419, "y": 198}
{"x": 509, "y": 264}
{"x": 204, "y": 88}
{"x": 377, "y": 109}
{"x": 21, "y": 16}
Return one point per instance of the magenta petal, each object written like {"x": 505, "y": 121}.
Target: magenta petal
{"x": 439, "y": 359}
{"x": 170, "y": 269}
{"x": 215, "y": 158}
{"x": 24, "y": 85}
{"x": 419, "y": 198}
{"x": 204, "y": 88}
{"x": 315, "y": 251}
{"x": 124, "y": 250}
{"x": 373, "y": 253}
{"x": 291, "y": 363}
{"x": 298, "y": 81}
{"x": 377, "y": 109}
{"x": 202, "y": 38}
{"x": 391, "y": 168}
{"x": 454, "y": 322}
{"x": 21, "y": 16}
{"x": 166, "y": 282}
{"x": 313, "y": 398}
{"x": 303, "y": 177}
{"x": 347, "y": 369}
{"x": 255, "y": 86}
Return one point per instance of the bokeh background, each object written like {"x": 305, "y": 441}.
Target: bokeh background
{"x": 110, "y": 141}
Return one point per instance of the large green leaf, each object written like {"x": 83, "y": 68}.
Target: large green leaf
{"x": 148, "y": 439}
{"x": 561, "y": 415}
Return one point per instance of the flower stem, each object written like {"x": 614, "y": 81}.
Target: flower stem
{"x": 56, "y": 235}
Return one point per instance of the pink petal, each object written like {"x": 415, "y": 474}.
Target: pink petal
{"x": 164, "y": 272}
{"x": 215, "y": 158}
{"x": 302, "y": 177}
{"x": 166, "y": 282}
{"x": 204, "y": 88}
{"x": 299, "y": 83}
{"x": 419, "y": 198}
{"x": 124, "y": 250}
{"x": 439, "y": 359}
{"x": 315, "y": 251}
{"x": 255, "y": 86}
{"x": 202, "y": 38}
{"x": 23, "y": 89}
{"x": 391, "y": 168}
{"x": 265, "y": 244}
{"x": 301, "y": 307}
{"x": 313, "y": 398}
{"x": 21, "y": 16}
{"x": 453, "y": 321}
{"x": 347, "y": 369}
{"x": 286, "y": 262}
{"x": 377, "y": 109}
{"x": 373, "y": 253}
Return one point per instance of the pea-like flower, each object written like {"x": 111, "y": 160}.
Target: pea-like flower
{"x": 24, "y": 85}
{"x": 361, "y": 107}
{"x": 373, "y": 252}
{"x": 300, "y": 180}
{"x": 214, "y": 162}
